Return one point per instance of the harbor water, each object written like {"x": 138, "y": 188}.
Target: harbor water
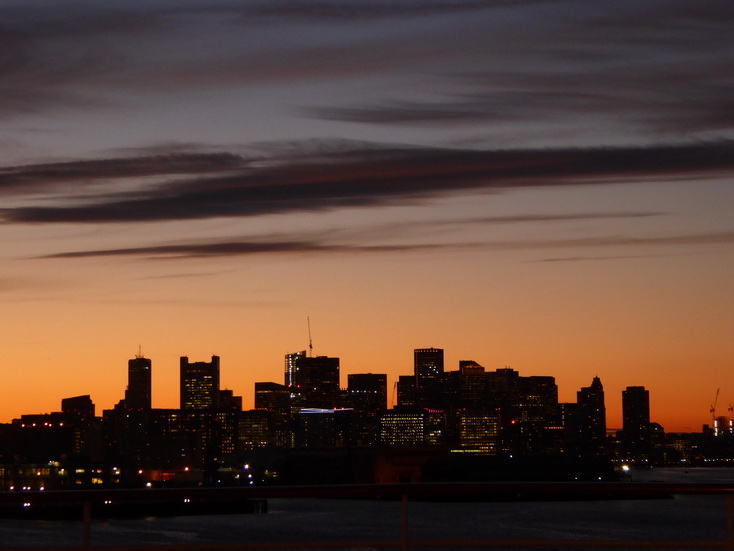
{"x": 686, "y": 517}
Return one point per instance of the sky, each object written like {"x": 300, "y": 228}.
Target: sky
{"x": 540, "y": 185}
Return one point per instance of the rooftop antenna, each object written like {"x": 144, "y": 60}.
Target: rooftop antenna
{"x": 140, "y": 351}
{"x": 310, "y": 343}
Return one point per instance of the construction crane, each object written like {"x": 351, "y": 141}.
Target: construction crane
{"x": 713, "y": 412}
{"x": 310, "y": 342}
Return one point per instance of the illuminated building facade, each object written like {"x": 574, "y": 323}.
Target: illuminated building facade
{"x": 479, "y": 431}
{"x": 402, "y": 428}
{"x": 200, "y": 384}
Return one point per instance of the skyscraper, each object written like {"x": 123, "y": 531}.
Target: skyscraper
{"x": 428, "y": 372}
{"x": 367, "y": 391}
{"x": 592, "y": 415}
{"x": 200, "y": 384}
{"x": 427, "y": 365}
{"x": 636, "y": 414}
{"x": 313, "y": 380}
{"x": 138, "y": 391}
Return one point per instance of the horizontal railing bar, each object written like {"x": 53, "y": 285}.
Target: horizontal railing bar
{"x": 560, "y": 490}
{"x": 357, "y": 544}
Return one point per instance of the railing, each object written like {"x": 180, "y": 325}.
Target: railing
{"x": 402, "y": 492}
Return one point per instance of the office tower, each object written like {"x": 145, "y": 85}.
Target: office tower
{"x": 324, "y": 428}
{"x": 313, "y": 380}
{"x": 276, "y": 400}
{"x": 272, "y": 396}
{"x": 78, "y": 406}
{"x": 539, "y": 400}
{"x": 428, "y": 372}
{"x": 256, "y": 429}
{"x": 367, "y": 395}
{"x": 427, "y": 365}
{"x": 138, "y": 391}
{"x": 592, "y": 415}
{"x": 290, "y": 367}
{"x": 200, "y": 384}
{"x": 367, "y": 391}
{"x": 478, "y": 432}
{"x": 472, "y": 385}
{"x": 229, "y": 402}
{"x": 402, "y": 428}
{"x": 636, "y": 414}
{"x": 407, "y": 392}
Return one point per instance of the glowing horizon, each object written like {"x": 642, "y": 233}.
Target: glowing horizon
{"x": 545, "y": 186}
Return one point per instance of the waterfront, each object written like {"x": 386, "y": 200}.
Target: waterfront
{"x": 685, "y": 517}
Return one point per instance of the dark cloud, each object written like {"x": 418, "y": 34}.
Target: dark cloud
{"x": 660, "y": 66}
{"x": 599, "y": 258}
{"x": 346, "y": 10}
{"x": 524, "y": 218}
{"x": 322, "y": 245}
{"x": 362, "y": 177}
{"x": 242, "y": 248}
{"x": 648, "y": 68}
{"x": 27, "y": 178}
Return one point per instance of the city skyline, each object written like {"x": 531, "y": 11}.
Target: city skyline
{"x": 198, "y": 386}
{"x": 540, "y": 185}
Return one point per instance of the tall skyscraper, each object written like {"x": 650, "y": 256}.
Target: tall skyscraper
{"x": 592, "y": 414}
{"x": 138, "y": 391}
{"x": 428, "y": 372}
{"x": 427, "y": 365}
{"x": 200, "y": 384}
{"x": 636, "y": 414}
{"x": 290, "y": 367}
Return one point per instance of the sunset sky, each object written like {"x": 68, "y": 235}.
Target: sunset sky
{"x": 544, "y": 185}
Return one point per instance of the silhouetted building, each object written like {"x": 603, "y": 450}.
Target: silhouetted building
{"x": 79, "y": 406}
{"x": 407, "y": 391}
{"x": 323, "y": 428}
{"x": 138, "y": 392}
{"x": 313, "y": 381}
{"x": 592, "y": 417}
{"x": 367, "y": 395}
{"x": 472, "y": 385}
{"x": 200, "y": 384}
{"x": 229, "y": 402}
{"x": 428, "y": 373}
{"x": 636, "y": 414}
{"x": 368, "y": 391}
{"x": 276, "y": 399}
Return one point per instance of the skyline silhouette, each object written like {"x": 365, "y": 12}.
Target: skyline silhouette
{"x": 540, "y": 185}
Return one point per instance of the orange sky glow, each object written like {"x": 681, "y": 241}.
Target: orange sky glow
{"x": 546, "y": 187}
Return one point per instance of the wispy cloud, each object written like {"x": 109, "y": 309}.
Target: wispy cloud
{"x": 28, "y": 178}
{"x": 226, "y": 186}
{"x": 325, "y": 246}
{"x": 247, "y": 248}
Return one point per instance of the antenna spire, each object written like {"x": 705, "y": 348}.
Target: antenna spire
{"x": 310, "y": 343}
